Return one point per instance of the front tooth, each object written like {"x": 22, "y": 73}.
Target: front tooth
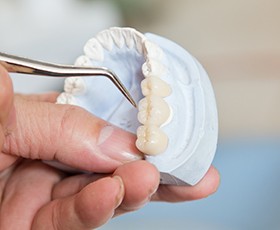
{"x": 74, "y": 85}
{"x": 151, "y": 140}
{"x": 128, "y": 35}
{"x": 94, "y": 50}
{"x": 153, "y": 68}
{"x": 117, "y": 36}
{"x": 153, "y": 110}
{"x": 105, "y": 40}
{"x": 155, "y": 86}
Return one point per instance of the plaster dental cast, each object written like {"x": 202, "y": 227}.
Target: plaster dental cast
{"x": 122, "y": 169}
{"x": 176, "y": 118}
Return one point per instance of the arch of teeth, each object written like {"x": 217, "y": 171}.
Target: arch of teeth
{"x": 153, "y": 110}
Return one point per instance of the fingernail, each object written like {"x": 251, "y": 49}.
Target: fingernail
{"x": 120, "y": 195}
{"x": 118, "y": 144}
{"x": 152, "y": 193}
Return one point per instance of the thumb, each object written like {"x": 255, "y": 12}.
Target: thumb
{"x": 70, "y": 135}
{"x": 6, "y": 96}
{"x": 7, "y": 113}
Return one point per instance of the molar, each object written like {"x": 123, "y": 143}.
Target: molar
{"x": 83, "y": 61}
{"x": 155, "y": 86}
{"x": 74, "y": 85}
{"x": 151, "y": 140}
{"x": 66, "y": 98}
{"x": 153, "y": 110}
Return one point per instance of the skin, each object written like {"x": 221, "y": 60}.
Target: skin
{"x": 35, "y": 195}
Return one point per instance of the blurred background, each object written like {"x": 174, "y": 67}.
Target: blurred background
{"x": 238, "y": 44}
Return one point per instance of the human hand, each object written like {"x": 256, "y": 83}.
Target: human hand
{"x": 37, "y": 196}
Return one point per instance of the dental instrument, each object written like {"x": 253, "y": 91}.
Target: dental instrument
{"x": 16, "y": 64}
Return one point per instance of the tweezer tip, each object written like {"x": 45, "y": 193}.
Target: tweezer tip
{"x": 133, "y": 103}
{"x": 128, "y": 96}
{"x": 119, "y": 85}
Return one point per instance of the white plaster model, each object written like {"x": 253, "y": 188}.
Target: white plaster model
{"x": 176, "y": 118}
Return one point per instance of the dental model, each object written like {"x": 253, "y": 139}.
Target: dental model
{"x": 176, "y": 117}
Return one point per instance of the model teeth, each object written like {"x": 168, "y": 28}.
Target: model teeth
{"x": 155, "y": 86}
{"x": 153, "y": 68}
{"x": 153, "y": 51}
{"x": 93, "y": 49}
{"x": 83, "y": 61}
{"x": 118, "y": 37}
{"x": 151, "y": 140}
{"x": 153, "y": 110}
{"x": 105, "y": 40}
{"x": 177, "y": 118}
{"x": 66, "y": 98}
{"x": 74, "y": 86}
{"x": 131, "y": 39}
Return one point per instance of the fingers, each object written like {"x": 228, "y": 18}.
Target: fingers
{"x": 44, "y": 97}
{"x": 69, "y": 135}
{"x": 74, "y": 184}
{"x": 7, "y": 115}
{"x": 207, "y": 186}
{"x": 26, "y": 191}
{"x": 6, "y": 95}
{"x": 90, "y": 208}
{"x": 140, "y": 179}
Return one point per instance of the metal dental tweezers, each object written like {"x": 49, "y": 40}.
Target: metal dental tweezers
{"x": 15, "y": 64}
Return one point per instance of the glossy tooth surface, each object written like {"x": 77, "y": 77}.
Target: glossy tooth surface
{"x": 155, "y": 86}
{"x": 153, "y": 110}
{"x": 151, "y": 140}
